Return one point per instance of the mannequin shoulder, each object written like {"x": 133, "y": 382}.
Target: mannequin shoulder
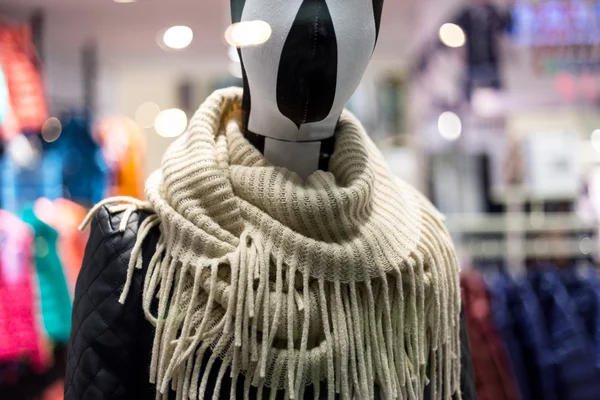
{"x": 106, "y": 235}
{"x": 109, "y": 248}
{"x": 109, "y": 339}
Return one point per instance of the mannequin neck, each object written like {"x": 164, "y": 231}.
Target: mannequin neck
{"x": 304, "y": 150}
{"x": 304, "y": 158}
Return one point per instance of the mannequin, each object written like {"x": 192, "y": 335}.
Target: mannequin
{"x": 297, "y": 83}
{"x": 277, "y": 256}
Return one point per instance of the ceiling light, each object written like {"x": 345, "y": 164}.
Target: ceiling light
{"x": 170, "y": 123}
{"x": 450, "y": 126}
{"x": 145, "y": 115}
{"x": 248, "y": 33}
{"x": 452, "y": 35}
{"x": 178, "y": 37}
{"x": 124, "y": 1}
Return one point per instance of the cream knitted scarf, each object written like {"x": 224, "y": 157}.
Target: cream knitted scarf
{"x": 348, "y": 278}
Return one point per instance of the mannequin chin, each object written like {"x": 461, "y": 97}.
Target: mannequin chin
{"x": 297, "y": 83}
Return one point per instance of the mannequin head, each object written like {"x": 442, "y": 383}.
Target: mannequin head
{"x": 298, "y": 82}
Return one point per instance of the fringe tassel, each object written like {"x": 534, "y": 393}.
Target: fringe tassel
{"x": 291, "y": 319}
{"x": 301, "y": 381}
{"x": 359, "y": 337}
{"x": 135, "y": 260}
{"x": 330, "y": 358}
{"x": 369, "y": 352}
{"x": 167, "y": 279}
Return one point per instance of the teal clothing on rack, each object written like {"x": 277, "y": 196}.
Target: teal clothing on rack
{"x": 56, "y": 303}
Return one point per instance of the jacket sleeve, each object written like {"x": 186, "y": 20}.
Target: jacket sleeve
{"x": 103, "y": 353}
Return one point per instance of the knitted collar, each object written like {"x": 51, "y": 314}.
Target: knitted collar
{"x": 348, "y": 278}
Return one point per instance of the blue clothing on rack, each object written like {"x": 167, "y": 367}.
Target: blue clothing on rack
{"x": 503, "y": 292}
{"x": 519, "y": 319}
{"x": 583, "y": 288}
{"x": 25, "y": 184}
{"x": 85, "y": 171}
{"x": 574, "y": 362}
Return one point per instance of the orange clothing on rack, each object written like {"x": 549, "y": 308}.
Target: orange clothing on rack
{"x": 124, "y": 147}
{"x": 65, "y": 216}
{"x": 23, "y": 78}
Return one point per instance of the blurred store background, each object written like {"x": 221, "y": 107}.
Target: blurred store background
{"x": 491, "y": 108}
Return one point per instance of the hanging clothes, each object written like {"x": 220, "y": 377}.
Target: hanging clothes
{"x": 124, "y": 146}
{"x": 21, "y": 69}
{"x": 65, "y": 217}
{"x": 24, "y": 181}
{"x": 483, "y": 25}
{"x": 20, "y": 336}
{"x": 494, "y": 377}
{"x": 85, "y": 173}
{"x": 578, "y": 379}
{"x": 583, "y": 287}
{"x": 55, "y": 298}
{"x": 519, "y": 319}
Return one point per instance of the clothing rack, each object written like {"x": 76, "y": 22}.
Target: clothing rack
{"x": 519, "y": 235}
{"x": 534, "y": 249}
{"x": 525, "y": 223}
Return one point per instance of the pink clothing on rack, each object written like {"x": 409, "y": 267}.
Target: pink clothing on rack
{"x": 21, "y": 338}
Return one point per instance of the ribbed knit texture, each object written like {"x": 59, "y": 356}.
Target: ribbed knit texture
{"x": 348, "y": 278}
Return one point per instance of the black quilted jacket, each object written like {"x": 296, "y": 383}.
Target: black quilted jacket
{"x": 110, "y": 346}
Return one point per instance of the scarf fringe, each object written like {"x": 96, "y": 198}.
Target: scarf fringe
{"x": 380, "y": 332}
{"x": 375, "y": 332}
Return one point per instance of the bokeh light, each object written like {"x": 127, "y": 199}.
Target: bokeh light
{"x": 171, "y": 123}
{"x": 51, "y": 130}
{"x": 586, "y": 245}
{"x": 452, "y": 35}
{"x": 178, "y": 37}
{"x": 450, "y": 126}
{"x": 22, "y": 152}
{"x": 248, "y": 33}
{"x": 146, "y": 113}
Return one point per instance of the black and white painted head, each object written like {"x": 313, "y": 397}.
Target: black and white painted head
{"x": 298, "y": 82}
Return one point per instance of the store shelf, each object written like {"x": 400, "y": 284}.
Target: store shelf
{"x": 532, "y": 223}
{"x": 540, "y": 248}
